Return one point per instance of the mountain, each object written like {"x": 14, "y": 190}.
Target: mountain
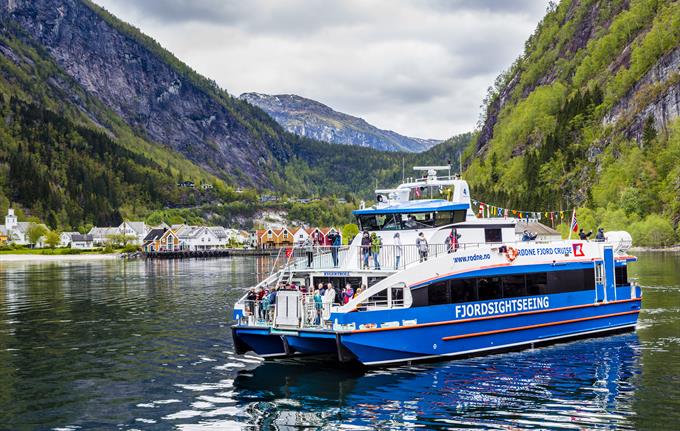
{"x": 587, "y": 117}
{"x": 99, "y": 123}
{"x": 312, "y": 119}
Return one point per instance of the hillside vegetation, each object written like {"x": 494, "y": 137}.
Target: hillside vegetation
{"x": 587, "y": 117}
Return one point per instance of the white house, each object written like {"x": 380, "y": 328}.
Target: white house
{"x": 221, "y": 234}
{"x": 197, "y": 238}
{"x": 82, "y": 242}
{"x": 102, "y": 235}
{"x": 65, "y": 238}
{"x": 300, "y": 235}
{"x": 136, "y": 229}
{"x": 17, "y": 231}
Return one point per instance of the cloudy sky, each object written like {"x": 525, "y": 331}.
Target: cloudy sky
{"x": 419, "y": 67}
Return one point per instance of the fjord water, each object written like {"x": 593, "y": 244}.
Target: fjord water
{"x": 146, "y": 345}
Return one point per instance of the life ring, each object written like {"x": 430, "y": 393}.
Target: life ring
{"x": 511, "y": 253}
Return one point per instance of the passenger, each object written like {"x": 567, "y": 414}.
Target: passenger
{"x": 584, "y": 236}
{"x": 250, "y": 301}
{"x": 318, "y": 307}
{"x": 376, "y": 245}
{"x": 272, "y": 303}
{"x": 422, "y": 246}
{"x": 338, "y": 294}
{"x": 398, "y": 249}
{"x": 365, "y": 248}
{"x": 452, "y": 241}
{"x": 328, "y": 299}
{"x": 528, "y": 236}
{"x": 336, "y": 241}
{"x": 348, "y": 294}
{"x": 600, "y": 235}
{"x": 411, "y": 223}
{"x": 359, "y": 290}
{"x": 308, "y": 247}
{"x": 322, "y": 289}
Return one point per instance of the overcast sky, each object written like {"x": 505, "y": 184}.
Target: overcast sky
{"x": 418, "y": 67}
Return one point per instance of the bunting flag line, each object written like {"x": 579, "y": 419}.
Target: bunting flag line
{"x": 487, "y": 210}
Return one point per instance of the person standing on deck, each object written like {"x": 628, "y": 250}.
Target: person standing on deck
{"x": 308, "y": 247}
{"x": 365, "y": 248}
{"x": 348, "y": 294}
{"x": 398, "y": 249}
{"x": 318, "y": 307}
{"x": 376, "y": 245}
{"x": 584, "y": 236}
{"x": 422, "y": 246}
{"x": 452, "y": 241}
{"x": 600, "y": 235}
{"x": 335, "y": 247}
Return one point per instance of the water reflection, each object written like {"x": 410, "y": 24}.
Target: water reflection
{"x": 581, "y": 384}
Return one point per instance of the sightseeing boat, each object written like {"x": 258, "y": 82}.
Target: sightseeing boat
{"x": 424, "y": 297}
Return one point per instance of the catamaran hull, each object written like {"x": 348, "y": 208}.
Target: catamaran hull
{"x": 429, "y": 341}
{"x": 481, "y": 337}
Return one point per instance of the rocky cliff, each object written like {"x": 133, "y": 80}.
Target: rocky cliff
{"x": 311, "y": 119}
{"x": 151, "y": 90}
{"x": 588, "y": 115}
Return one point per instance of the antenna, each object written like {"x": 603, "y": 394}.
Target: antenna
{"x": 460, "y": 164}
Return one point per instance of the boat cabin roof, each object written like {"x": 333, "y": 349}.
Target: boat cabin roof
{"x": 415, "y": 206}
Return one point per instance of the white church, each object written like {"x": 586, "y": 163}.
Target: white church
{"x": 15, "y": 231}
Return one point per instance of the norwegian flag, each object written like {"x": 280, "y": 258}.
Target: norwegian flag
{"x": 574, "y": 223}
{"x": 289, "y": 252}
{"x": 481, "y": 210}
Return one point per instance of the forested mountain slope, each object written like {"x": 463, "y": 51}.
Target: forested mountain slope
{"x": 312, "y": 119}
{"x": 588, "y": 116}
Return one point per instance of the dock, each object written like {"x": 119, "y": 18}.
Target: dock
{"x": 204, "y": 254}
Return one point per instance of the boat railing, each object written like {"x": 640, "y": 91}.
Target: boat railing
{"x": 396, "y": 257}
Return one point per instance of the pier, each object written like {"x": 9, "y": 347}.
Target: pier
{"x": 202, "y": 254}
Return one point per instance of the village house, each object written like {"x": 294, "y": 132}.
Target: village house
{"x": 102, "y": 235}
{"x": 65, "y": 238}
{"x": 152, "y": 239}
{"x": 136, "y": 229}
{"x": 82, "y": 241}
{"x": 196, "y": 238}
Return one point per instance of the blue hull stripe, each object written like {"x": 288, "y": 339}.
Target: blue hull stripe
{"x": 538, "y": 325}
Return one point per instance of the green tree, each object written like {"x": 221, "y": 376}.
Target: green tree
{"x": 52, "y": 239}
{"x": 35, "y": 232}
{"x": 349, "y": 231}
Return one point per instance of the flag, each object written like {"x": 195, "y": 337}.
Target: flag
{"x": 574, "y": 223}
{"x": 289, "y": 252}
{"x": 481, "y": 210}
{"x": 500, "y": 212}
{"x": 506, "y": 213}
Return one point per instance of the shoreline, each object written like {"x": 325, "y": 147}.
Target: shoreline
{"x": 671, "y": 249}
{"x": 56, "y": 257}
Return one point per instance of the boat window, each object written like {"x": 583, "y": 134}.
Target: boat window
{"x": 443, "y": 218}
{"x": 493, "y": 235}
{"x": 438, "y": 293}
{"x": 570, "y": 281}
{"x": 537, "y": 283}
{"x": 507, "y": 286}
{"x": 489, "y": 288}
{"x": 514, "y": 286}
{"x": 416, "y": 220}
{"x": 463, "y": 290}
{"x": 621, "y": 276}
{"x": 397, "y": 296}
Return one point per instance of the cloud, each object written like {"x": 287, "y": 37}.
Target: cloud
{"x": 420, "y": 68}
